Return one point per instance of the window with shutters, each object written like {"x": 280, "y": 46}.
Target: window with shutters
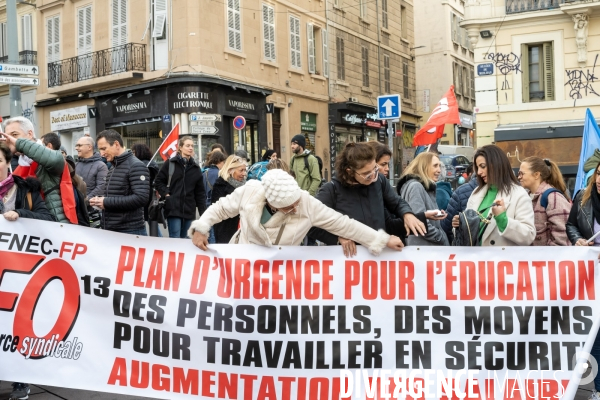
{"x": 537, "y": 63}
{"x": 339, "y": 51}
{"x": 119, "y": 22}
{"x": 53, "y": 39}
{"x": 405, "y": 80}
{"x": 26, "y": 33}
{"x": 362, "y": 4}
{"x": 454, "y": 26}
{"x": 384, "y": 14}
{"x": 465, "y": 82}
{"x": 403, "y": 22}
{"x": 365, "y": 66}
{"x": 159, "y": 26}
{"x": 84, "y": 30}
{"x": 312, "y": 59}
{"x": 456, "y": 78}
{"x": 295, "y": 53}
{"x": 325, "y": 54}
{"x": 472, "y": 79}
{"x": 386, "y": 74}
{"x": 268, "y": 17}
{"x": 3, "y": 38}
{"x": 234, "y": 25}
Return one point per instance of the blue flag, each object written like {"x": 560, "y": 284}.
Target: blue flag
{"x": 590, "y": 142}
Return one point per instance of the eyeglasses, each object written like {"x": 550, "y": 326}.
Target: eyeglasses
{"x": 83, "y": 144}
{"x": 370, "y": 175}
{"x": 520, "y": 174}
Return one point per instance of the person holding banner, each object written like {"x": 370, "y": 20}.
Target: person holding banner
{"x": 543, "y": 180}
{"x": 510, "y": 221}
{"x": 275, "y": 211}
{"x": 181, "y": 184}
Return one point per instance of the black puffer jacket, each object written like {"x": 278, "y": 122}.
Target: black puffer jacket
{"x": 226, "y": 229}
{"x": 580, "y": 224}
{"x": 458, "y": 203}
{"x": 38, "y": 208}
{"x": 186, "y": 193}
{"x": 364, "y": 203}
{"x": 93, "y": 172}
{"x": 125, "y": 194}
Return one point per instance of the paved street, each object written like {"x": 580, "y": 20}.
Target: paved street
{"x": 54, "y": 393}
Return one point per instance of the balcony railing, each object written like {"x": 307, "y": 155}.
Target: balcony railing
{"x": 127, "y": 57}
{"x": 519, "y": 6}
{"x": 26, "y": 57}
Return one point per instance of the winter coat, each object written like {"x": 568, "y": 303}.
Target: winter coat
{"x": 363, "y": 203}
{"x": 308, "y": 179}
{"x": 125, "y": 194}
{"x": 249, "y": 202}
{"x": 210, "y": 176}
{"x": 412, "y": 189}
{"x": 93, "y": 171}
{"x": 520, "y": 230}
{"x": 38, "y": 208}
{"x": 592, "y": 161}
{"x": 226, "y": 229}
{"x": 443, "y": 193}
{"x": 49, "y": 173}
{"x": 186, "y": 193}
{"x": 580, "y": 224}
{"x": 458, "y": 203}
{"x": 550, "y": 222}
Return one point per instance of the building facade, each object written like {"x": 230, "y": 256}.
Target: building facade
{"x": 370, "y": 54}
{"x": 141, "y": 66}
{"x": 535, "y": 65}
{"x": 27, "y": 45}
{"x": 445, "y": 56}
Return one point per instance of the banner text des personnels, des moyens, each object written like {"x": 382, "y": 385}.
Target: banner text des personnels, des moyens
{"x": 159, "y": 318}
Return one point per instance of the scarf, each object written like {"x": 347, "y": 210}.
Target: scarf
{"x": 6, "y": 185}
{"x": 596, "y": 204}
{"x": 235, "y": 183}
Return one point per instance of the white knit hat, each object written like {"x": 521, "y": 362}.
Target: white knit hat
{"x": 281, "y": 189}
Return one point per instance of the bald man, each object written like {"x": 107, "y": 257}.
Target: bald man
{"x": 90, "y": 166}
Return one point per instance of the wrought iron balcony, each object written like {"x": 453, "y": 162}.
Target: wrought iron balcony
{"x": 519, "y": 6}
{"x": 124, "y": 58}
{"x": 26, "y": 57}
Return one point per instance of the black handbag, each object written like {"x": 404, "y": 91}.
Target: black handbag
{"x": 156, "y": 210}
{"x": 469, "y": 232}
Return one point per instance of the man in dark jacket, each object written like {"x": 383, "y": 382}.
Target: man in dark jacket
{"x": 458, "y": 203}
{"x": 90, "y": 167}
{"x": 127, "y": 187}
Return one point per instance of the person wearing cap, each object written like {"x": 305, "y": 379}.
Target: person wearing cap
{"x": 276, "y": 211}
{"x": 305, "y": 166}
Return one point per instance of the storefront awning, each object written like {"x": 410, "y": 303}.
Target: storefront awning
{"x": 539, "y": 130}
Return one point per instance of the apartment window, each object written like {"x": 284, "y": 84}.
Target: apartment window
{"x": 339, "y": 51}
{"x": 3, "y": 46}
{"x": 52, "y": 38}
{"x": 295, "y": 42}
{"x": 386, "y": 74}
{"x": 384, "y": 14}
{"x": 538, "y": 72}
{"x": 466, "y": 82}
{"x": 405, "y": 80}
{"x": 365, "y": 66}
{"x": 234, "y": 25}
{"x": 472, "y": 78}
{"x": 456, "y": 78}
{"x": 84, "y": 30}
{"x": 325, "y": 55}
{"x": 119, "y": 22}
{"x": 269, "y": 32}
{"x": 26, "y": 33}
{"x": 454, "y": 25}
{"x": 160, "y": 19}
{"x": 362, "y": 4}
{"x": 403, "y": 22}
{"x": 312, "y": 58}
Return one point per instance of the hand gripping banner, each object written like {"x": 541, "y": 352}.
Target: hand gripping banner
{"x": 158, "y": 318}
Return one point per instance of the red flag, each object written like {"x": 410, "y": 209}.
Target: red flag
{"x": 168, "y": 148}
{"x": 446, "y": 112}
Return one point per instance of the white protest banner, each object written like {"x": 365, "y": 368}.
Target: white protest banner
{"x": 158, "y": 318}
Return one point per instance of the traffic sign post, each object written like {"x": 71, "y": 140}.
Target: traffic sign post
{"x": 388, "y": 106}
{"x": 204, "y": 130}
{"x": 16, "y": 80}
{"x": 19, "y": 69}
{"x": 239, "y": 123}
{"x": 203, "y": 117}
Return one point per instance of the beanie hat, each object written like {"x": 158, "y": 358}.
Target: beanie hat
{"x": 281, "y": 189}
{"x": 267, "y": 155}
{"x": 300, "y": 140}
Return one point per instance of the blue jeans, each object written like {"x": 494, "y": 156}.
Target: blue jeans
{"x": 595, "y": 352}
{"x": 211, "y": 236}
{"x": 178, "y": 227}
{"x": 140, "y": 232}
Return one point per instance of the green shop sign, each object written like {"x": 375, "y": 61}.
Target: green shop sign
{"x": 308, "y": 122}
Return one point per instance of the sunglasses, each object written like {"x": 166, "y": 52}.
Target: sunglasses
{"x": 370, "y": 175}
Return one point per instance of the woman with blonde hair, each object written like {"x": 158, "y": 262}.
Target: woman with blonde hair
{"x": 181, "y": 184}
{"x": 417, "y": 186}
{"x": 545, "y": 184}
{"x": 231, "y": 176}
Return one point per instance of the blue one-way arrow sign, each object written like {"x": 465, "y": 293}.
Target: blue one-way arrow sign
{"x": 388, "y": 106}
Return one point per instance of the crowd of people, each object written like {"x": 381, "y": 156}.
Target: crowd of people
{"x": 274, "y": 202}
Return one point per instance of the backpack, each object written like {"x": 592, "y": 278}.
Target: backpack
{"x": 544, "y": 197}
{"x": 257, "y": 170}
{"x": 307, "y": 166}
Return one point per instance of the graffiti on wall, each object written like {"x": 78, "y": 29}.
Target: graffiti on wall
{"x": 581, "y": 82}
{"x": 506, "y": 63}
